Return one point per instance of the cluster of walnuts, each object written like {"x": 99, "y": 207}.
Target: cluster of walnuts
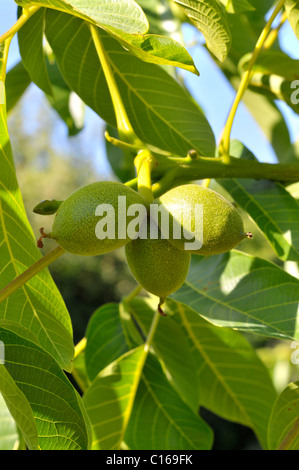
{"x": 159, "y": 263}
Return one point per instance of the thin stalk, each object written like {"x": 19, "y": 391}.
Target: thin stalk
{"x": 4, "y": 58}
{"x": 206, "y": 182}
{"x": 141, "y": 364}
{"x": 225, "y": 141}
{"x": 31, "y": 272}
{"x": 152, "y": 332}
{"x": 166, "y": 181}
{"x": 80, "y": 347}
{"x": 120, "y": 144}
{"x": 132, "y": 183}
{"x": 144, "y": 163}
{"x": 274, "y": 33}
{"x": 132, "y": 295}
{"x": 124, "y": 127}
{"x": 27, "y": 13}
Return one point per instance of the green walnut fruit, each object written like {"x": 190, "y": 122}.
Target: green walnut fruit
{"x": 83, "y": 218}
{"x": 157, "y": 266}
{"x": 195, "y": 210}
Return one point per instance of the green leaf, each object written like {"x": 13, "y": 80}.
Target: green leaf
{"x": 272, "y": 123}
{"x": 273, "y": 209}
{"x": 292, "y": 10}
{"x": 106, "y": 340}
{"x": 30, "y": 39}
{"x": 245, "y": 30}
{"x": 37, "y": 305}
{"x": 151, "y": 48}
{"x": 17, "y": 82}
{"x": 8, "y": 430}
{"x": 276, "y": 87}
{"x": 242, "y": 292}
{"x": 232, "y": 380}
{"x": 209, "y": 18}
{"x": 284, "y": 423}
{"x": 18, "y": 406}
{"x": 274, "y": 75}
{"x": 44, "y": 72}
{"x": 109, "y": 399}
{"x": 272, "y": 62}
{"x": 178, "y": 361}
{"x": 65, "y": 102}
{"x": 270, "y": 205}
{"x": 52, "y": 398}
{"x": 168, "y": 120}
{"x": 237, "y": 6}
{"x": 161, "y": 419}
{"x": 47, "y": 207}
{"x": 156, "y": 49}
{"x": 125, "y": 15}
{"x": 293, "y": 189}
{"x": 161, "y": 18}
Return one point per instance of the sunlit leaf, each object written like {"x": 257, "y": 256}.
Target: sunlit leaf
{"x": 105, "y": 339}
{"x": 17, "y": 82}
{"x": 109, "y": 399}
{"x": 179, "y": 363}
{"x": 18, "y": 407}
{"x": 30, "y": 39}
{"x": 54, "y": 403}
{"x": 292, "y": 10}
{"x": 268, "y": 203}
{"x": 284, "y": 423}
{"x": 8, "y": 429}
{"x": 38, "y": 304}
{"x": 125, "y": 15}
{"x": 232, "y": 380}
{"x": 243, "y": 292}
{"x": 160, "y": 111}
{"x": 237, "y": 6}
{"x": 161, "y": 420}
{"x": 211, "y": 21}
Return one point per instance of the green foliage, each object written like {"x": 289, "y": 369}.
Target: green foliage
{"x": 219, "y": 288}
{"x": 284, "y": 422}
{"x": 38, "y": 306}
{"x": 270, "y": 206}
{"x": 43, "y": 388}
{"x": 139, "y": 377}
{"x": 211, "y": 21}
{"x": 9, "y": 435}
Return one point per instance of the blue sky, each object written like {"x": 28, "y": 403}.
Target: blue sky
{"x": 211, "y": 90}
